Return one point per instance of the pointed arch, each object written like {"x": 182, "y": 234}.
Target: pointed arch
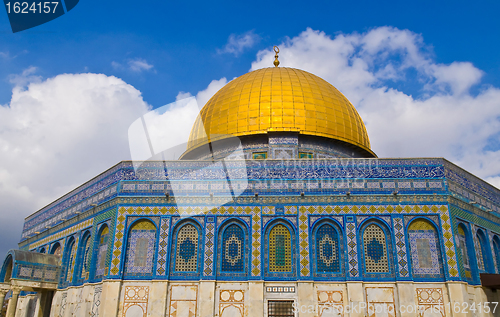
{"x": 280, "y": 244}
{"x": 69, "y": 261}
{"x": 233, "y": 248}
{"x": 327, "y": 249}
{"x": 496, "y": 249}
{"x": 83, "y": 257}
{"x": 56, "y": 249}
{"x": 101, "y": 251}
{"x": 483, "y": 252}
{"x": 186, "y": 261}
{"x": 376, "y": 250}
{"x": 6, "y": 272}
{"x": 140, "y": 252}
{"x": 463, "y": 246}
{"x": 425, "y": 250}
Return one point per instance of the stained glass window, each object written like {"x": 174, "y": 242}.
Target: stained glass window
{"x": 186, "y": 256}
{"x": 375, "y": 250}
{"x": 102, "y": 251}
{"x": 327, "y": 250}
{"x": 140, "y": 249}
{"x": 425, "y": 250}
{"x": 233, "y": 249}
{"x": 280, "y": 255}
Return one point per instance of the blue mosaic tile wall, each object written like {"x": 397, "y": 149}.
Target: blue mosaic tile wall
{"x": 327, "y": 250}
{"x": 318, "y": 175}
{"x": 425, "y": 254}
{"x": 233, "y": 249}
{"x": 140, "y": 253}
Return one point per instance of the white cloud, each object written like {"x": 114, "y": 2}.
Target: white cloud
{"x": 236, "y": 44}
{"x": 203, "y": 96}
{"x": 139, "y": 65}
{"x": 445, "y": 120}
{"x": 56, "y": 134}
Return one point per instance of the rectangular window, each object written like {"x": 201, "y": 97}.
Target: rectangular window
{"x": 306, "y": 155}
{"x": 102, "y": 256}
{"x": 280, "y": 308}
{"x": 259, "y": 155}
{"x": 141, "y": 252}
{"x": 424, "y": 253}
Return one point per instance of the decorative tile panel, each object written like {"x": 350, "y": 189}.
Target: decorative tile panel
{"x": 430, "y": 301}
{"x": 400, "y": 247}
{"x": 304, "y": 261}
{"x": 352, "y": 249}
{"x": 232, "y": 303}
{"x": 163, "y": 247}
{"x": 256, "y": 241}
{"x": 209, "y": 249}
{"x": 136, "y": 300}
{"x": 66, "y": 232}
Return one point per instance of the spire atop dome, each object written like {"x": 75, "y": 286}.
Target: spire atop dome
{"x": 276, "y": 61}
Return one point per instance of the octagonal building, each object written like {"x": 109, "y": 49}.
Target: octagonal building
{"x": 277, "y": 207}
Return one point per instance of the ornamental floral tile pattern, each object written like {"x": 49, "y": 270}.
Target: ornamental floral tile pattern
{"x": 442, "y": 210}
{"x": 163, "y": 247}
{"x": 83, "y": 225}
{"x": 401, "y": 247}
{"x": 209, "y": 249}
{"x": 305, "y": 269}
{"x": 256, "y": 242}
{"x": 352, "y": 249}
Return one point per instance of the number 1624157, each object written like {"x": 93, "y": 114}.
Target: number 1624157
{"x": 35, "y": 7}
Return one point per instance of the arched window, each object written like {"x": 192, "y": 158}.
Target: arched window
{"x": 186, "y": 255}
{"x": 462, "y": 247}
{"x": 140, "y": 249}
{"x": 56, "y": 250}
{"x": 232, "y": 249}
{"x": 280, "y": 251}
{"x": 71, "y": 249}
{"x": 42, "y": 250}
{"x": 496, "y": 248}
{"x": 102, "y": 251}
{"x": 425, "y": 250}
{"x": 327, "y": 249}
{"x": 482, "y": 252}
{"x": 83, "y": 257}
{"x": 375, "y": 251}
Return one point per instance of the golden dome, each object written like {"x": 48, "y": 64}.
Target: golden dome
{"x": 278, "y": 99}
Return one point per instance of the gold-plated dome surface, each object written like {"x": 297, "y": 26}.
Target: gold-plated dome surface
{"x": 279, "y": 99}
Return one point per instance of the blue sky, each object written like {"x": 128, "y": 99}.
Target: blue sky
{"x": 425, "y": 77}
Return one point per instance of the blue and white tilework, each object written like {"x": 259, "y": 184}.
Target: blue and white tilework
{"x": 140, "y": 253}
{"x": 305, "y": 268}
{"x": 352, "y": 249}
{"x": 233, "y": 249}
{"x": 328, "y": 255}
{"x": 401, "y": 247}
{"x": 209, "y": 249}
{"x": 424, "y": 253}
{"x": 163, "y": 247}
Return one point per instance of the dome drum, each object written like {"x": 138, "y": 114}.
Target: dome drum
{"x": 277, "y": 145}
